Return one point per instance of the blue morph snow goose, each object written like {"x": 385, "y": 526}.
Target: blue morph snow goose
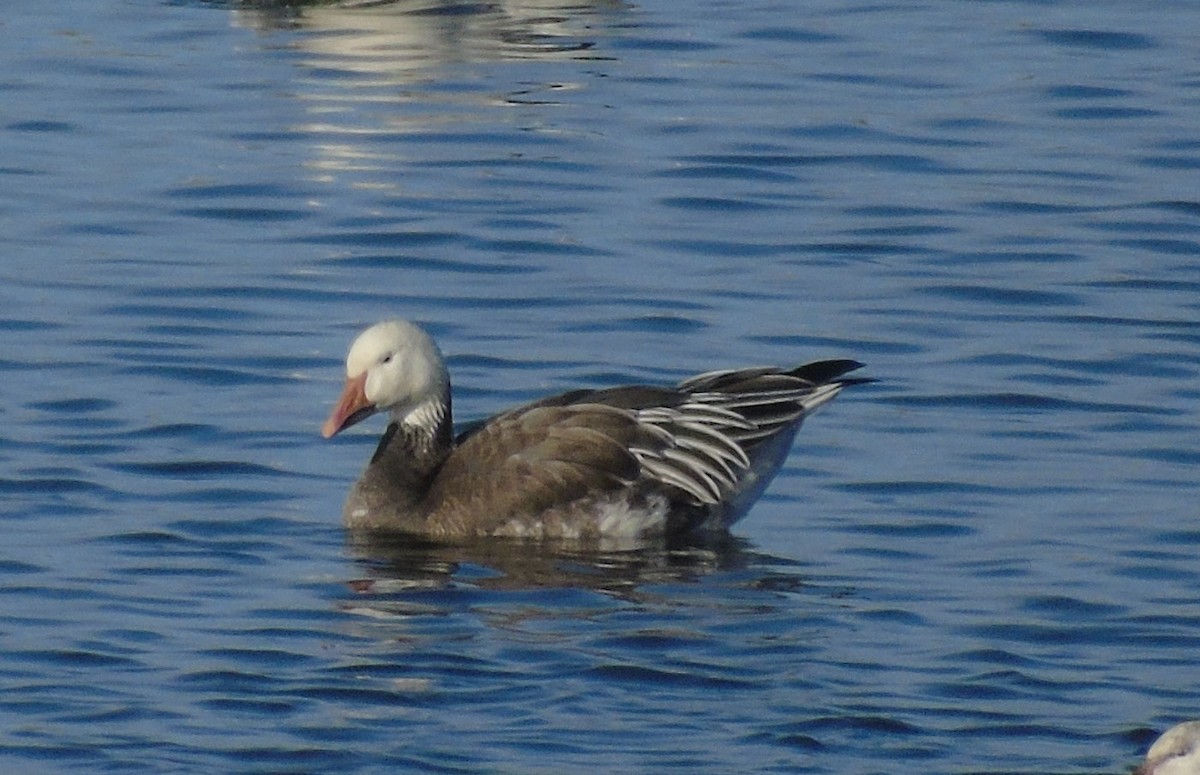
{"x": 617, "y": 463}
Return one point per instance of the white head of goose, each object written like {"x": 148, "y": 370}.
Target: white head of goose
{"x": 616, "y": 463}
{"x": 1176, "y": 752}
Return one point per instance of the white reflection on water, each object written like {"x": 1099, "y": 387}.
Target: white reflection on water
{"x": 401, "y": 59}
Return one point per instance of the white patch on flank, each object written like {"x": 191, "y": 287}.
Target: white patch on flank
{"x": 613, "y": 519}
{"x": 620, "y": 519}
{"x": 534, "y": 528}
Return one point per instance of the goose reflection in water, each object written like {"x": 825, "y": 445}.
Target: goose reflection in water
{"x": 397, "y": 564}
{"x": 401, "y": 38}
{"x": 382, "y": 86}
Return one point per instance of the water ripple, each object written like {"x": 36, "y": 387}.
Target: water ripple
{"x": 987, "y": 557}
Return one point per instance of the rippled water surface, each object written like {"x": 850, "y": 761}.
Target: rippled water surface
{"x": 985, "y": 562}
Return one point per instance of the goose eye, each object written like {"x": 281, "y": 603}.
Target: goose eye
{"x": 388, "y": 358}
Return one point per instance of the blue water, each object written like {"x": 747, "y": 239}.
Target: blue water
{"x": 985, "y": 562}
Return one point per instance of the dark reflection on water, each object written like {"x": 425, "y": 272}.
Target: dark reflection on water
{"x": 400, "y": 564}
{"x": 552, "y": 652}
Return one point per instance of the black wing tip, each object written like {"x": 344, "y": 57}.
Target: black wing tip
{"x": 831, "y": 371}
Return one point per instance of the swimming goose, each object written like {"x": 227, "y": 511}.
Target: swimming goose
{"x": 1176, "y": 752}
{"x": 617, "y": 463}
